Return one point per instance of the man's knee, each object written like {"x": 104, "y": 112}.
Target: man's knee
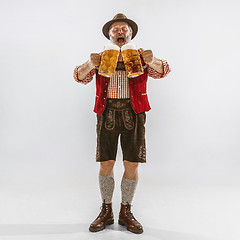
{"x": 130, "y": 166}
{"x": 107, "y": 166}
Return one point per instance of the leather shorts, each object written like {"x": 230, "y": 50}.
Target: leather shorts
{"x": 119, "y": 119}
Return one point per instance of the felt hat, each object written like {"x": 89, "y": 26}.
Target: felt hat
{"x": 120, "y": 17}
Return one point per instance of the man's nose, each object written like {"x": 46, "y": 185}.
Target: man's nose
{"x": 120, "y": 30}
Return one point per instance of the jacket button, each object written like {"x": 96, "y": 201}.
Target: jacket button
{"x": 104, "y": 98}
{"x": 106, "y": 83}
{"x": 105, "y": 90}
{"x": 103, "y": 105}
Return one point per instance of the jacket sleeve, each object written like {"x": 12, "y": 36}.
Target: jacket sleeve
{"x": 154, "y": 74}
{"x": 87, "y": 79}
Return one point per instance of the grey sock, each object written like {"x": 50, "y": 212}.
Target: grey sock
{"x": 128, "y": 188}
{"x": 106, "y": 184}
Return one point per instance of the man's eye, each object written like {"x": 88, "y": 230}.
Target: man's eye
{"x": 124, "y": 29}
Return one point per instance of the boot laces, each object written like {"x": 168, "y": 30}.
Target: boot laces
{"x": 103, "y": 209}
{"x": 128, "y": 211}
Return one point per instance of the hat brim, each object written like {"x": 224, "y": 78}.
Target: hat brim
{"x": 132, "y": 24}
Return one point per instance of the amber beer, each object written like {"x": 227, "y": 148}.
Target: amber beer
{"x": 131, "y": 60}
{"x": 109, "y": 60}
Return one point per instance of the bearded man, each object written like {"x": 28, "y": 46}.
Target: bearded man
{"x": 120, "y": 106}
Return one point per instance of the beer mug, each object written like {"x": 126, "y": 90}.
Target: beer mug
{"x": 109, "y": 60}
{"x": 132, "y": 60}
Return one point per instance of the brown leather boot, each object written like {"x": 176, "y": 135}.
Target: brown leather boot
{"x": 104, "y": 218}
{"x": 127, "y": 219}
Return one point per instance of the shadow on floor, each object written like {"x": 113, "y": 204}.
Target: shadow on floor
{"x": 82, "y": 228}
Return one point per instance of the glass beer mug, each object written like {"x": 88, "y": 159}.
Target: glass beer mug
{"x": 132, "y": 60}
{"x": 109, "y": 60}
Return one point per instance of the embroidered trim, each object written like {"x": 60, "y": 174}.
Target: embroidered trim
{"x": 128, "y": 119}
{"x": 142, "y": 153}
{"x": 110, "y": 119}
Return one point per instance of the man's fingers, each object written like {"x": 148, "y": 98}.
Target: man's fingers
{"x": 95, "y": 56}
{"x": 147, "y": 52}
{"x": 95, "y": 59}
{"x": 147, "y": 56}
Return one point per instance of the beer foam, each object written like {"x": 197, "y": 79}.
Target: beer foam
{"x": 128, "y": 46}
{"x": 111, "y": 47}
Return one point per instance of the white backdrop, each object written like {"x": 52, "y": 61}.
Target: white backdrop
{"x": 47, "y": 121}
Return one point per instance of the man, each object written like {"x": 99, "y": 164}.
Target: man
{"x": 120, "y": 105}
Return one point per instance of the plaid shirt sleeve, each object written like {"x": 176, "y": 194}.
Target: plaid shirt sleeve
{"x": 156, "y": 75}
{"x": 87, "y": 79}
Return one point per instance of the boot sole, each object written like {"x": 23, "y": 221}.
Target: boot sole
{"x": 97, "y": 230}
{"x": 121, "y": 223}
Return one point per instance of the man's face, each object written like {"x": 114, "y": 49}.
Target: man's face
{"x": 120, "y": 33}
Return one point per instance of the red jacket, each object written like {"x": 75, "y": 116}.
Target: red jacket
{"x": 138, "y": 93}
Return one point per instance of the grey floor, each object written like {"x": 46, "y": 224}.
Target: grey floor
{"x": 63, "y": 211}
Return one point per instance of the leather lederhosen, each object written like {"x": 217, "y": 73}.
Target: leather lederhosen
{"x": 119, "y": 119}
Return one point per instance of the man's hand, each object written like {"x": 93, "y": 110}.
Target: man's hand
{"x": 89, "y": 65}
{"x": 147, "y": 56}
{"x": 153, "y": 62}
{"x": 95, "y": 59}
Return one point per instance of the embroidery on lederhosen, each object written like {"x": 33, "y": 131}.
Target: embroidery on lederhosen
{"x": 142, "y": 148}
{"x": 142, "y": 153}
{"x": 99, "y": 127}
{"x": 128, "y": 119}
{"x": 110, "y": 119}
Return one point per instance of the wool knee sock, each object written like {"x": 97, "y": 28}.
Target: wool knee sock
{"x": 106, "y": 184}
{"x": 128, "y": 188}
